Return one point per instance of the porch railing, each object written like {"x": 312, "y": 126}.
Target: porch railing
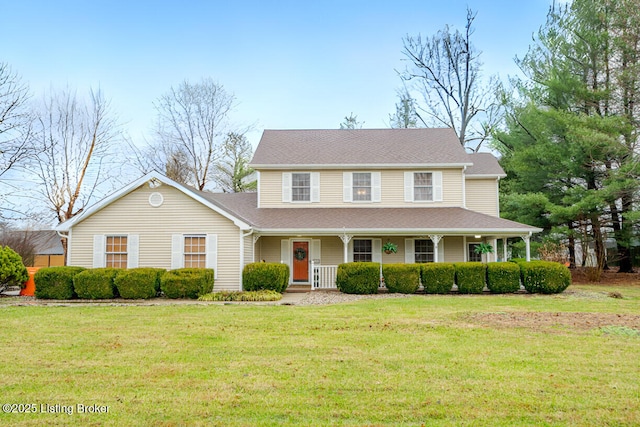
{"x": 324, "y": 276}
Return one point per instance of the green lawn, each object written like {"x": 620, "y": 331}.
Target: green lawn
{"x": 432, "y": 360}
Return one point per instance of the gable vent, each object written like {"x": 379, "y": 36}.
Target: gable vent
{"x": 156, "y": 199}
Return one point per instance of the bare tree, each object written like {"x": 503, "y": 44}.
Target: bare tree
{"x": 191, "y": 127}
{"x": 233, "y": 171}
{"x": 15, "y": 126}
{"x": 74, "y": 141}
{"x": 14, "y": 119}
{"x": 445, "y": 70}
{"x": 21, "y": 241}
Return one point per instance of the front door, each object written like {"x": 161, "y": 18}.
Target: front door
{"x": 300, "y": 261}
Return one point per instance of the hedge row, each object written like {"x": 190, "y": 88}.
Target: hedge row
{"x": 469, "y": 277}
{"x": 106, "y": 283}
{"x": 265, "y": 276}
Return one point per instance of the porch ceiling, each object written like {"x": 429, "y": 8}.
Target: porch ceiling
{"x": 369, "y": 220}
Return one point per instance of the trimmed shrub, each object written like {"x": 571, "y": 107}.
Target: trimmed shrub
{"x": 545, "y": 277}
{"x": 96, "y": 283}
{"x": 12, "y": 270}
{"x": 358, "y": 278}
{"x": 264, "y": 295}
{"x": 401, "y": 278}
{"x": 437, "y": 277}
{"x": 139, "y": 283}
{"x": 56, "y": 282}
{"x": 470, "y": 277}
{"x": 187, "y": 282}
{"x": 259, "y": 276}
{"x": 503, "y": 277}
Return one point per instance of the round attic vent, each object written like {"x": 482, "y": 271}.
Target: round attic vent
{"x": 156, "y": 199}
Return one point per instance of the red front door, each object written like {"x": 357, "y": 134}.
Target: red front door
{"x": 300, "y": 261}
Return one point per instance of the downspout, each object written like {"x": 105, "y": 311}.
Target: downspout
{"x": 68, "y": 249}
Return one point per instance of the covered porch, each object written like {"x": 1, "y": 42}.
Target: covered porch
{"x": 313, "y": 259}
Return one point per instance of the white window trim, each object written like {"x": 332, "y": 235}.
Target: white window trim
{"x": 410, "y": 250}
{"x": 376, "y": 187}
{"x": 100, "y": 249}
{"x": 376, "y": 248}
{"x": 177, "y": 250}
{"x": 287, "y": 187}
{"x": 409, "y": 187}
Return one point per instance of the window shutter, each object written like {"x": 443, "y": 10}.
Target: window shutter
{"x": 286, "y": 187}
{"x": 316, "y": 248}
{"x": 347, "y": 178}
{"x": 376, "y": 250}
{"x": 284, "y": 251}
{"x": 285, "y": 256}
{"x": 133, "y": 250}
{"x": 409, "y": 251}
{"x": 408, "y": 186}
{"x": 315, "y": 187}
{"x": 212, "y": 254}
{"x": 376, "y": 184}
{"x": 437, "y": 186}
{"x": 177, "y": 247}
{"x": 98, "y": 251}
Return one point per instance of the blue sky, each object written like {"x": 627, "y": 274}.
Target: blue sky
{"x": 290, "y": 64}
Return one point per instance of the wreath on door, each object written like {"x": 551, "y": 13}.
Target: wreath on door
{"x": 300, "y": 254}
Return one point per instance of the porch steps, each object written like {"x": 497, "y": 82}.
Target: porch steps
{"x": 298, "y": 289}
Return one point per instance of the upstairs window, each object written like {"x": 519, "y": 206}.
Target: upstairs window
{"x": 361, "y": 187}
{"x": 116, "y": 252}
{"x": 301, "y": 187}
{"x": 423, "y": 186}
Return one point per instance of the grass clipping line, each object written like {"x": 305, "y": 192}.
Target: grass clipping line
{"x": 265, "y": 295}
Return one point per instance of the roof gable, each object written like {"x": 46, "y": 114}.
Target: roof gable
{"x": 152, "y": 177}
{"x": 359, "y": 147}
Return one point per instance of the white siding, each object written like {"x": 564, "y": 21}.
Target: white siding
{"x": 335, "y": 189}
{"x": 482, "y": 196}
{"x": 179, "y": 214}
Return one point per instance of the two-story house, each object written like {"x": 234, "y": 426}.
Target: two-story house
{"x": 324, "y": 197}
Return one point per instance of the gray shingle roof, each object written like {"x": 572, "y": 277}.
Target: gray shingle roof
{"x": 360, "y": 147}
{"x": 484, "y": 164}
{"x": 416, "y": 220}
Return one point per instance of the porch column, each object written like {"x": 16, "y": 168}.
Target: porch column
{"x": 435, "y": 238}
{"x": 495, "y": 250}
{"x": 504, "y": 249}
{"x": 346, "y": 238}
{"x": 527, "y": 242}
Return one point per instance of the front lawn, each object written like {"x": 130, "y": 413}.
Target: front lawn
{"x": 569, "y": 359}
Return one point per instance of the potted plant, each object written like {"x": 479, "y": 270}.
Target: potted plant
{"x": 389, "y": 248}
{"x": 483, "y": 249}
